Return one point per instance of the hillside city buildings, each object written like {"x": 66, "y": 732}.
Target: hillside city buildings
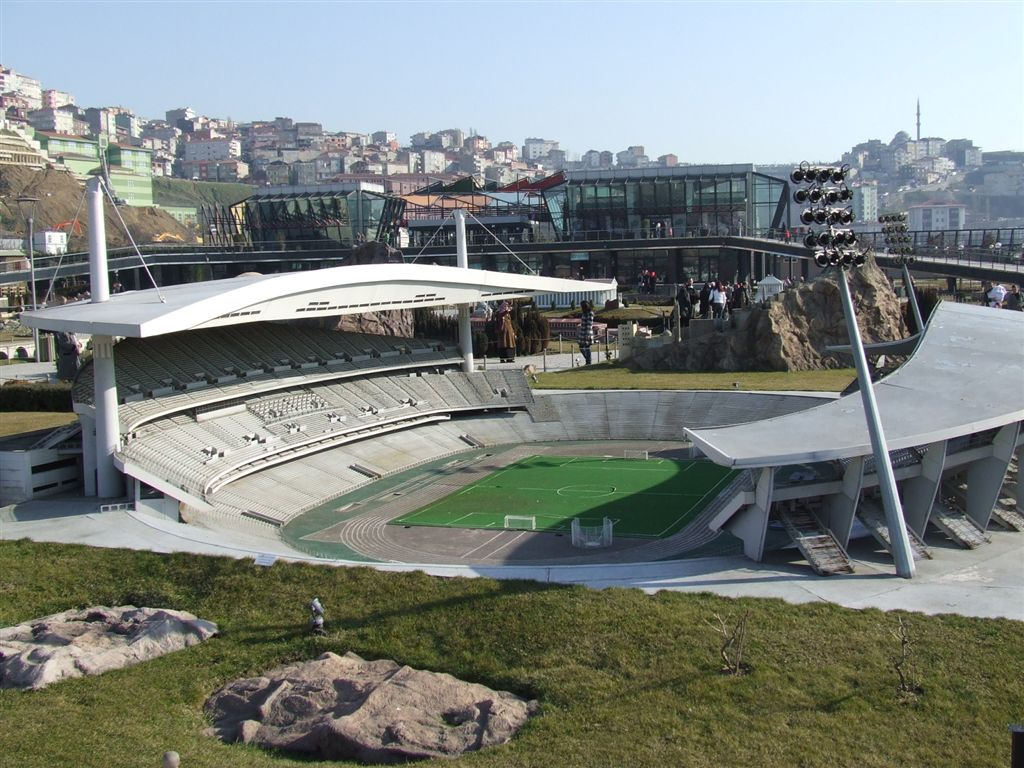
{"x": 45, "y": 127}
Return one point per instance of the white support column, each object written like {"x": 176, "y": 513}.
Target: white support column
{"x": 840, "y": 508}
{"x": 1020, "y": 475}
{"x": 88, "y": 453}
{"x": 109, "y": 483}
{"x": 985, "y": 476}
{"x": 750, "y": 525}
{"x": 98, "y": 282}
{"x": 462, "y": 261}
{"x": 883, "y": 467}
{"x": 919, "y": 492}
{"x": 912, "y": 298}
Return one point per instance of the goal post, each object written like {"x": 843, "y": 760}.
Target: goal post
{"x": 629, "y": 453}
{"x": 521, "y": 522}
{"x": 592, "y": 536}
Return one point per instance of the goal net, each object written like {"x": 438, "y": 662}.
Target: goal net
{"x": 589, "y": 536}
{"x": 629, "y": 453}
{"x": 521, "y": 522}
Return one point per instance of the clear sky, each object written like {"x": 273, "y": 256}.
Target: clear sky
{"x": 763, "y": 81}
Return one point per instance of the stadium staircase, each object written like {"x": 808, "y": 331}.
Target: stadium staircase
{"x": 823, "y": 552}
{"x": 1007, "y": 516}
{"x": 873, "y": 517}
{"x": 956, "y": 525}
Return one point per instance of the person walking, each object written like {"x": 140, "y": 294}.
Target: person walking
{"x": 704, "y": 300}
{"x": 718, "y": 300}
{"x": 1012, "y": 300}
{"x": 586, "y": 331}
{"x": 685, "y": 302}
{"x": 506, "y": 334}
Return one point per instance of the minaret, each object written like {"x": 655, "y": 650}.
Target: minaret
{"x": 918, "y": 119}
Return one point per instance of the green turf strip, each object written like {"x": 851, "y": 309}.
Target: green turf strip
{"x": 651, "y": 498}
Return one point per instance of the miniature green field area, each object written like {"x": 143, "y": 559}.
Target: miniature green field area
{"x": 644, "y": 498}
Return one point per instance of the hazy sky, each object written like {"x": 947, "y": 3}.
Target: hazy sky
{"x": 710, "y": 82}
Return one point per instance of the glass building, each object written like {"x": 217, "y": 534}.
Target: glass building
{"x": 669, "y": 206}
{"x": 583, "y": 224}
{"x": 325, "y": 216}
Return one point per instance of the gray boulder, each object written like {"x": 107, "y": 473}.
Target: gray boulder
{"x": 343, "y": 708}
{"x": 91, "y": 641}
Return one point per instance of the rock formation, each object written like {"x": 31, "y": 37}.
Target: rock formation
{"x": 342, "y": 707}
{"x": 791, "y": 331}
{"x": 392, "y": 322}
{"x": 91, "y": 641}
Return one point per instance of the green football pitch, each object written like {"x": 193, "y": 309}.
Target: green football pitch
{"x": 644, "y": 498}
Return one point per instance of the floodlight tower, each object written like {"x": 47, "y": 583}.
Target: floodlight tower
{"x": 898, "y": 244}
{"x": 834, "y": 247}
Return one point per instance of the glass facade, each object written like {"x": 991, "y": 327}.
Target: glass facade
{"x": 580, "y": 224}
{"x": 667, "y": 202}
{"x": 328, "y": 219}
{"x": 662, "y": 204}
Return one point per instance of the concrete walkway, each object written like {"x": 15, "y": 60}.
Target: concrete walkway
{"x": 985, "y": 582}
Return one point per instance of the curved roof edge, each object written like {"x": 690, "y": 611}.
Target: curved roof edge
{"x": 965, "y": 376}
{"x": 296, "y": 295}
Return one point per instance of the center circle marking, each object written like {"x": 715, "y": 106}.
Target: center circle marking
{"x": 587, "y": 491}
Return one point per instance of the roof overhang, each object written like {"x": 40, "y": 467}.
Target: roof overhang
{"x": 295, "y": 296}
{"x": 965, "y": 376}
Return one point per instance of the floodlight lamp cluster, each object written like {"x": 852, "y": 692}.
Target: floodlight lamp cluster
{"x": 827, "y": 193}
{"x": 897, "y": 241}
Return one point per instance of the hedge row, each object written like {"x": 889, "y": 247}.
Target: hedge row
{"x": 28, "y": 396}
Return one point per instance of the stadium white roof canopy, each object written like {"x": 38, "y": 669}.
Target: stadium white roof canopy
{"x": 295, "y": 295}
{"x": 966, "y": 376}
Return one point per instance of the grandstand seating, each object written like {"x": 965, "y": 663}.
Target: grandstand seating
{"x": 271, "y": 421}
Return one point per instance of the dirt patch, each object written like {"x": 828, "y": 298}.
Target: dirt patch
{"x": 62, "y": 196}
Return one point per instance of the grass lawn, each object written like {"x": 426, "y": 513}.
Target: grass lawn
{"x": 623, "y": 678}
{"x": 612, "y": 376}
{"x": 652, "y": 498}
{"x": 19, "y": 422}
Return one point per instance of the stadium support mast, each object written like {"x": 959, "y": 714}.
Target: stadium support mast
{"x": 109, "y": 482}
{"x": 462, "y": 262}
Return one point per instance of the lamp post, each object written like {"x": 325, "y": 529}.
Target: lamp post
{"x": 833, "y": 247}
{"x": 27, "y": 204}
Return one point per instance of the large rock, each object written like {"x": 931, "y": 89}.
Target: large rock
{"x": 343, "y": 707}
{"x": 391, "y": 322}
{"x": 792, "y": 331}
{"x": 91, "y": 641}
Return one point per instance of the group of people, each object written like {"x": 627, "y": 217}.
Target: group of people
{"x": 646, "y": 280}
{"x": 998, "y": 297}
{"x": 716, "y": 299}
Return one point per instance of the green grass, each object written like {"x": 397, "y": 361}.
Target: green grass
{"x": 652, "y": 498}
{"x": 623, "y": 678}
{"x": 612, "y": 376}
{"x": 20, "y": 422}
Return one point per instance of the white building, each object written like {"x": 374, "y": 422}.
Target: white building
{"x": 865, "y": 203}
{"x": 537, "y": 149}
{"x": 206, "y": 150}
{"x": 28, "y": 88}
{"x": 432, "y": 161}
{"x": 52, "y": 120}
{"x": 931, "y": 217}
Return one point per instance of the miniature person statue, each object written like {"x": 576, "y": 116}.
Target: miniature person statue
{"x": 316, "y": 621}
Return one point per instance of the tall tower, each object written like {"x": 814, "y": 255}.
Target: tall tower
{"x": 919, "y": 119}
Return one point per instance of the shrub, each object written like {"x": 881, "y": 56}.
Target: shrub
{"x": 28, "y": 396}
